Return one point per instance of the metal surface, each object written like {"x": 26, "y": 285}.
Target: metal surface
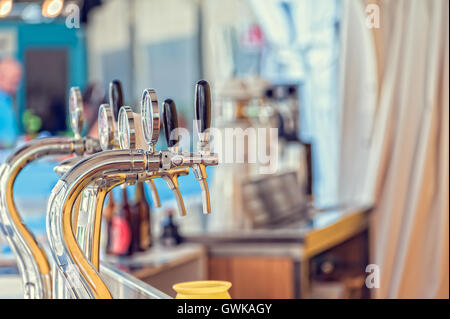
{"x": 76, "y": 107}
{"x": 151, "y": 120}
{"x": 77, "y": 259}
{"x": 126, "y": 128}
{"x": 68, "y": 257}
{"x": 125, "y": 286}
{"x": 106, "y": 127}
{"x": 32, "y": 260}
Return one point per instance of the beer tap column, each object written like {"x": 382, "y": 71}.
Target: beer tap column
{"x": 31, "y": 258}
{"x": 81, "y": 276}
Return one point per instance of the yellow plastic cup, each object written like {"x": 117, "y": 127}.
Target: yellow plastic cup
{"x": 203, "y": 290}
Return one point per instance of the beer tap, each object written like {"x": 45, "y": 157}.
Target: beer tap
{"x": 127, "y": 134}
{"x": 31, "y": 258}
{"x": 170, "y": 124}
{"x": 197, "y": 161}
{"x": 151, "y": 123}
{"x": 203, "y": 118}
{"x": 140, "y": 131}
{"x": 107, "y": 119}
{"x": 113, "y": 167}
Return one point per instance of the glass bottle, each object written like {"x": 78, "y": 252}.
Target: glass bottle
{"x": 142, "y": 209}
{"x": 121, "y": 228}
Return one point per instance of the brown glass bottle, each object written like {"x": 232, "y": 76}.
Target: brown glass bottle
{"x": 109, "y": 216}
{"x": 142, "y": 209}
{"x": 121, "y": 244}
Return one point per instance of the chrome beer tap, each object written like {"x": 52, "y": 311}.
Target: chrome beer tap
{"x": 197, "y": 161}
{"x": 88, "y": 213}
{"x": 114, "y": 167}
{"x": 203, "y": 118}
{"x": 32, "y": 260}
{"x": 142, "y": 131}
{"x": 151, "y": 123}
{"x": 108, "y": 133}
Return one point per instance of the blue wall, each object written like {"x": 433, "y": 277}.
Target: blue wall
{"x": 51, "y": 35}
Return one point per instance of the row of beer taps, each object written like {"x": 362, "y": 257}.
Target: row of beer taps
{"x": 125, "y": 153}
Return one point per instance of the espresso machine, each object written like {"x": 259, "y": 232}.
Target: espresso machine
{"x": 78, "y": 272}
{"x": 247, "y": 199}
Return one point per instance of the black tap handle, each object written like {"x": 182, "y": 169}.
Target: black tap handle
{"x": 116, "y": 97}
{"x": 203, "y": 106}
{"x": 170, "y": 119}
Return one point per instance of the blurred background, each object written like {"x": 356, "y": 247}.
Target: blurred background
{"x": 358, "y": 90}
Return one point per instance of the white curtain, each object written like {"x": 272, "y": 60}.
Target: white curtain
{"x": 401, "y": 155}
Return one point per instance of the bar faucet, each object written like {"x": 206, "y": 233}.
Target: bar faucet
{"x": 141, "y": 131}
{"x": 114, "y": 167}
{"x": 197, "y": 161}
{"x": 32, "y": 260}
{"x": 108, "y": 133}
{"x": 88, "y": 213}
{"x": 151, "y": 122}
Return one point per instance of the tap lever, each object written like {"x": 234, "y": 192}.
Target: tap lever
{"x": 172, "y": 182}
{"x": 170, "y": 119}
{"x": 203, "y": 113}
{"x": 203, "y": 106}
{"x": 155, "y": 195}
{"x": 116, "y": 97}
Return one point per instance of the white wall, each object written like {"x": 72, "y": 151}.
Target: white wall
{"x": 155, "y": 21}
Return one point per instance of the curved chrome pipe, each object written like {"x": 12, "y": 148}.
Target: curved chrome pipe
{"x": 87, "y": 220}
{"x": 32, "y": 260}
{"x": 81, "y": 276}
{"x": 113, "y": 181}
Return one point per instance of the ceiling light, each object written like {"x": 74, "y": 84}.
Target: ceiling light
{"x": 52, "y": 8}
{"x": 5, "y": 8}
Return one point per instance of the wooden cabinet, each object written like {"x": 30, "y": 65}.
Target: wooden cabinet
{"x": 255, "y": 277}
{"x": 337, "y": 272}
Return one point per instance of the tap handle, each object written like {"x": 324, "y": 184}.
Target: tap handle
{"x": 116, "y": 97}
{"x": 170, "y": 119}
{"x": 203, "y": 108}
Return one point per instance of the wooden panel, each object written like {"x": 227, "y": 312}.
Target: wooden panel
{"x": 255, "y": 277}
{"x": 322, "y": 239}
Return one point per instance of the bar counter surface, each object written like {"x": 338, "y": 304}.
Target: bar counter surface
{"x": 278, "y": 263}
{"x": 264, "y": 263}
